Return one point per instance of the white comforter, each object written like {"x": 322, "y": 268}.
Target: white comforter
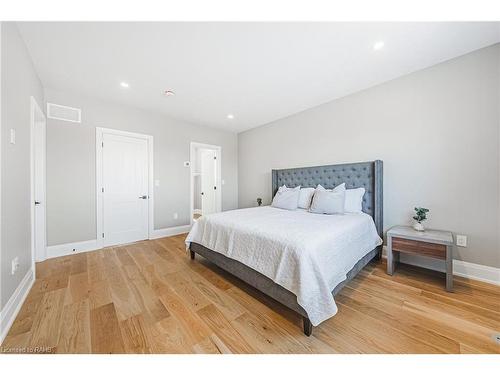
{"x": 307, "y": 254}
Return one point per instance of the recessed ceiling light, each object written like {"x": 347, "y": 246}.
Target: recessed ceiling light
{"x": 230, "y": 116}
{"x": 124, "y": 85}
{"x": 378, "y": 45}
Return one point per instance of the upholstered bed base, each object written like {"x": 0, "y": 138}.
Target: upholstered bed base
{"x": 268, "y": 286}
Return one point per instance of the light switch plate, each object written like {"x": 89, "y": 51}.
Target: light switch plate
{"x": 13, "y": 136}
{"x": 461, "y": 240}
{"x": 157, "y": 183}
{"x": 14, "y": 265}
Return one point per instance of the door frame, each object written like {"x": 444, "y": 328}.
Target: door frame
{"x": 99, "y": 133}
{"x": 35, "y": 110}
{"x": 192, "y": 157}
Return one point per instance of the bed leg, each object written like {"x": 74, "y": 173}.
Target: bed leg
{"x": 379, "y": 254}
{"x": 308, "y": 328}
{"x": 191, "y": 253}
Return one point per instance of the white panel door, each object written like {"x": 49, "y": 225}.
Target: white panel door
{"x": 40, "y": 241}
{"x": 125, "y": 184}
{"x": 208, "y": 181}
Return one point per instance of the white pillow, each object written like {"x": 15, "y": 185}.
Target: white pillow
{"x": 283, "y": 188}
{"x": 328, "y": 201}
{"x": 336, "y": 188}
{"x": 305, "y": 197}
{"x": 354, "y": 200}
{"x": 286, "y": 198}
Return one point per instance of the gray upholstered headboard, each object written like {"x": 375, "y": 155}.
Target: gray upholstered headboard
{"x": 365, "y": 174}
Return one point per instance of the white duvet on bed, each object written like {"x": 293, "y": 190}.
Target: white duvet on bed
{"x": 307, "y": 254}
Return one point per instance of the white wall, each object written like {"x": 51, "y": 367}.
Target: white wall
{"x": 437, "y": 131}
{"x": 71, "y": 165}
{"x": 1, "y": 148}
{"x": 19, "y": 82}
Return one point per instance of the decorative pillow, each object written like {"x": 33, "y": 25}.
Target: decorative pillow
{"x": 284, "y": 188}
{"x": 305, "y": 197}
{"x": 286, "y": 198}
{"x": 336, "y": 188}
{"x": 328, "y": 201}
{"x": 354, "y": 200}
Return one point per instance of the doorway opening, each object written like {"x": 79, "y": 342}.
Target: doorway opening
{"x": 206, "y": 195}
{"x": 38, "y": 176}
{"x": 124, "y": 166}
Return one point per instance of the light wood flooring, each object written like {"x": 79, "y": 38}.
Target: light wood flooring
{"x": 149, "y": 297}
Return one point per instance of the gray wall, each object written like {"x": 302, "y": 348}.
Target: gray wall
{"x": 18, "y": 83}
{"x": 437, "y": 131}
{"x": 71, "y": 194}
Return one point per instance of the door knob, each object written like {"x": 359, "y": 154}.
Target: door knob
{"x": 36, "y": 202}
{"x": 143, "y": 197}
{"x": 202, "y": 193}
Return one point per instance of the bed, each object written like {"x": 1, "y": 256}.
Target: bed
{"x": 299, "y": 259}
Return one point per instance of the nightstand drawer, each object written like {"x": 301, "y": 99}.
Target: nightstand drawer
{"x": 419, "y": 247}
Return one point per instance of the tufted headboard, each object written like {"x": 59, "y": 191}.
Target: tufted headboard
{"x": 366, "y": 174}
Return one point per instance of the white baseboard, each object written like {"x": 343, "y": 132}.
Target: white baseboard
{"x": 167, "y": 232}
{"x": 476, "y": 271}
{"x": 71, "y": 248}
{"x": 90, "y": 245}
{"x": 468, "y": 270}
{"x": 11, "y": 309}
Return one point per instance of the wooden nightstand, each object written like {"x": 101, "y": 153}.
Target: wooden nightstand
{"x": 435, "y": 244}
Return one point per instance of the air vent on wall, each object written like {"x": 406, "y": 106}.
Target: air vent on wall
{"x": 64, "y": 113}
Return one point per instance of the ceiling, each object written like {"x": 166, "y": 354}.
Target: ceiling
{"x": 259, "y": 72}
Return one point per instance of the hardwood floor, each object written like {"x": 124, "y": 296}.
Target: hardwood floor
{"x": 149, "y": 297}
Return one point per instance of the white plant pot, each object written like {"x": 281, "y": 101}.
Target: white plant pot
{"x": 419, "y": 227}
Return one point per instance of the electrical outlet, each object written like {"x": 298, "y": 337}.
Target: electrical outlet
{"x": 15, "y": 265}
{"x": 461, "y": 240}
{"x": 13, "y": 136}
{"x": 176, "y": 216}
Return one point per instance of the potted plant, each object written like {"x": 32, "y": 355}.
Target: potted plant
{"x": 420, "y": 215}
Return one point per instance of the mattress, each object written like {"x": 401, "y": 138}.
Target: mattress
{"x": 305, "y": 253}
